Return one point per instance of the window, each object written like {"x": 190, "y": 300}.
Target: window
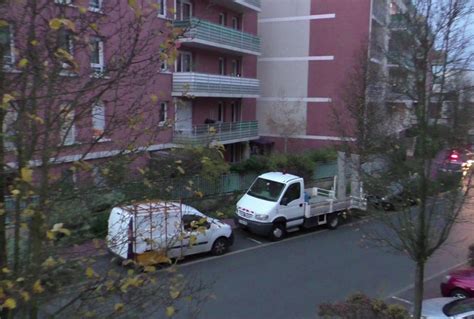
{"x": 235, "y": 67}
{"x": 6, "y": 40}
{"x": 235, "y": 108}
{"x": 164, "y": 66}
{"x": 222, "y": 18}
{"x": 222, "y": 66}
{"x": 9, "y": 122}
{"x": 162, "y": 8}
{"x": 163, "y": 116}
{"x": 63, "y": 1}
{"x": 95, "y": 5}
{"x": 235, "y": 23}
{"x": 266, "y": 189}
{"x": 163, "y": 60}
{"x": 67, "y": 126}
{"x": 292, "y": 193}
{"x": 99, "y": 179}
{"x": 65, "y": 42}
{"x": 97, "y": 55}
{"x": 184, "y": 63}
{"x": 184, "y": 10}
{"x": 98, "y": 120}
{"x": 194, "y": 222}
{"x": 220, "y": 112}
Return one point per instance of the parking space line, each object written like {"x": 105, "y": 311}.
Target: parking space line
{"x": 402, "y": 300}
{"x": 254, "y": 240}
{"x": 411, "y": 286}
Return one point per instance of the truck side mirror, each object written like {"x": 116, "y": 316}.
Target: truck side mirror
{"x": 284, "y": 201}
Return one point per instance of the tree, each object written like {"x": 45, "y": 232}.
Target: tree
{"x": 388, "y": 102}
{"x": 75, "y": 84}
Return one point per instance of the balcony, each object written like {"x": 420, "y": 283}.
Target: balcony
{"x": 192, "y": 84}
{"x": 204, "y": 34}
{"x": 224, "y": 133}
{"x": 380, "y": 11}
{"x": 241, "y": 5}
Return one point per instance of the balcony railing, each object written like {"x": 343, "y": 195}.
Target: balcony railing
{"x": 380, "y": 10}
{"x": 204, "y": 33}
{"x": 200, "y": 84}
{"x": 225, "y": 133}
{"x": 241, "y": 5}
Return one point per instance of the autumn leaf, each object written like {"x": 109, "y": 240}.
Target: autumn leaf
{"x": 149, "y": 269}
{"x": 23, "y": 62}
{"x": 51, "y": 235}
{"x": 90, "y": 272}
{"x": 5, "y": 270}
{"x": 3, "y": 24}
{"x": 170, "y": 311}
{"x": 180, "y": 169}
{"x": 7, "y": 98}
{"x": 118, "y": 307}
{"x": 174, "y": 293}
{"x": 55, "y": 24}
{"x": 26, "y": 174}
{"x": 10, "y": 303}
{"x": 154, "y": 98}
{"x": 37, "y": 288}
{"x": 25, "y": 295}
{"x": 82, "y": 10}
{"x": 15, "y": 192}
{"x": 49, "y": 262}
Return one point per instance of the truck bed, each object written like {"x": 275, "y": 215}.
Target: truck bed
{"x": 323, "y": 202}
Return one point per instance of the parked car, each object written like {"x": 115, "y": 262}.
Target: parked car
{"x": 452, "y": 308}
{"x": 151, "y": 232}
{"x": 392, "y": 197}
{"x": 459, "y": 283}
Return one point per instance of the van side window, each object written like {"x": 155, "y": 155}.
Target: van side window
{"x": 293, "y": 192}
{"x": 193, "y": 222}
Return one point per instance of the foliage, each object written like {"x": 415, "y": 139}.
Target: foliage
{"x": 358, "y": 306}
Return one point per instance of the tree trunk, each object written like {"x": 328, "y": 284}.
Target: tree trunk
{"x": 419, "y": 288}
{"x": 3, "y": 215}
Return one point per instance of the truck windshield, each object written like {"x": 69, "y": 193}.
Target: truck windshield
{"x": 266, "y": 189}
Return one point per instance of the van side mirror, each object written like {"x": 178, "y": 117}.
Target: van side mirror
{"x": 284, "y": 201}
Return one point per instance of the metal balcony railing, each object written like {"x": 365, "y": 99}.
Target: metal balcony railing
{"x": 217, "y": 132}
{"x": 201, "y": 84}
{"x": 215, "y": 35}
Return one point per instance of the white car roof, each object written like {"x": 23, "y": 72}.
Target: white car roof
{"x": 279, "y": 177}
{"x": 158, "y": 207}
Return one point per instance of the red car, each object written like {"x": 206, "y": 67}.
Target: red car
{"x": 459, "y": 283}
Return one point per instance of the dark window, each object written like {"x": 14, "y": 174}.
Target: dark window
{"x": 193, "y": 222}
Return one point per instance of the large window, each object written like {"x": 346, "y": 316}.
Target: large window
{"x": 222, "y": 18}
{"x": 6, "y": 41}
{"x": 236, "y": 66}
{"x": 235, "y": 109}
{"x": 184, "y": 10}
{"x": 222, "y": 63}
{"x": 65, "y": 42}
{"x": 98, "y": 120}
{"x": 236, "y": 23}
{"x": 292, "y": 193}
{"x": 67, "y": 131}
{"x": 184, "y": 62}
{"x": 97, "y": 54}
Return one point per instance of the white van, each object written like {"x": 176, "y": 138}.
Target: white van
{"x": 152, "y": 232}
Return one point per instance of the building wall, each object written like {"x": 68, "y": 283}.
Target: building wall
{"x": 309, "y": 47}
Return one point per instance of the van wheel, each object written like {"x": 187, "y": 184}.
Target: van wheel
{"x": 220, "y": 246}
{"x": 278, "y": 232}
{"x": 333, "y": 221}
{"x": 459, "y": 293}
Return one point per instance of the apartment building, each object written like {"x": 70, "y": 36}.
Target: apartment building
{"x": 309, "y": 49}
{"x": 207, "y": 96}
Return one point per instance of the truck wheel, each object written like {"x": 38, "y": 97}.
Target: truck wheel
{"x": 333, "y": 221}
{"x": 459, "y": 293}
{"x": 278, "y": 232}
{"x": 220, "y": 246}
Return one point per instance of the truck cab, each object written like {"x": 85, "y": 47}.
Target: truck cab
{"x": 274, "y": 203}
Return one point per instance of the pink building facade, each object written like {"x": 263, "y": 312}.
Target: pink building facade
{"x": 137, "y": 96}
{"x": 309, "y": 49}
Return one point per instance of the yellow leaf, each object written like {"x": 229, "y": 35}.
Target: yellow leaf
{"x": 118, "y": 307}
{"x": 90, "y": 272}
{"x": 149, "y": 269}
{"x": 49, "y": 262}
{"x": 34, "y": 42}
{"x": 25, "y": 295}
{"x": 51, "y": 235}
{"x": 82, "y": 10}
{"x": 192, "y": 240}
{"x": 15, "y": 192}
{"x": 7, "y": 98}
{"x": 180, "y": 169}
{"x": 65, "y": 231}
{"x": 170, "y": 311}
{"x": 37, "y": 288}
{"x": 94, "y": 27}
{"x": 26, "y": 174}
{"x": 6, "y": 270}
{"x": 55, "y": 24}
{"x": 10, "y": 303}
{"x": 23, "y": 62}
{"x": 154, "y": 98}
{"x": 57, "y": 227}
{"x": 174, "y": 293}
{"x": 3, "y": 23}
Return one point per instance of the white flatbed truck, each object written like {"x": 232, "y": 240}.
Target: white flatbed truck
{"x": 277, "y": 203}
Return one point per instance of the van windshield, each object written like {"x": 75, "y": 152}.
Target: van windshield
{"x": 266, "y": 189}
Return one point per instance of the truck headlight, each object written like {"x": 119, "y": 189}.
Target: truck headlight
{"x": 261, "y": 216}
